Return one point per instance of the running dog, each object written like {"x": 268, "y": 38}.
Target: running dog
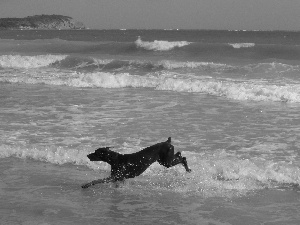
{"x": 132, "y": 165}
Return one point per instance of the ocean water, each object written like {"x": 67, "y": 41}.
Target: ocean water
{"x": 230, "y": 100}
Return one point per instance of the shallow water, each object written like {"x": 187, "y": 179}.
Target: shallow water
{"x": 230, "y": 103}
{"x": 42, "y": 193}
{"x": 244, "y": 169}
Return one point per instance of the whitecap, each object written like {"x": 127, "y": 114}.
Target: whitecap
{"x": 160, "y": 45}
{"x": 242, "y": 45}
{"x": 19, "y": 61}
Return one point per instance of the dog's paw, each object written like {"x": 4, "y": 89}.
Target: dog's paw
{"x": 189, "y": 170}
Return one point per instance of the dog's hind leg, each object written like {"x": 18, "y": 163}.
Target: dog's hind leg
{"x": 105, "y": 180}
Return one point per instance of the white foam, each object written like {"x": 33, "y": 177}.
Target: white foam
{"x": 242, "y": 45}
{"x": 160, "y": 45}
{"x": 222, "y": 174}
{"x": 167, "y": 64}
{"x": 108, "y": 80}
{"x": 51, "y": 154}
{"x": 232, "y": 89}
{"x": 18, "y": 61}
{"x": 216, "y": 174}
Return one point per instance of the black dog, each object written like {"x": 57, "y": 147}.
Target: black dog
{"x": 132, "y": 165}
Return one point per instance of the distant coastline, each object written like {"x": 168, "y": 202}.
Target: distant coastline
{"x": 41, "y": 22}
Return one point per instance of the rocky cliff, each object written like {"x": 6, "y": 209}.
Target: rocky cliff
{"x": 51, "y": 22}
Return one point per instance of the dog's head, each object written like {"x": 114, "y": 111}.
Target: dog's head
{"x": 167, "y": 144}
{"x": 103, "y": 154}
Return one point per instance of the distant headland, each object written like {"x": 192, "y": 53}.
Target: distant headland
{"x": 43, "y": 22}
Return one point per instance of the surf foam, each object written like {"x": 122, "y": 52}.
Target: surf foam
{"x": 232, "y": 89}
{"x": 224, "y": 173}
{"x": 242, "y": 45}
{"x": 19, "y": 61}
{"x": 91, "y": 64}
{"x": 160, "y": 45}
{"x": 213, "y": 174}
{"x": 52, "y": 154}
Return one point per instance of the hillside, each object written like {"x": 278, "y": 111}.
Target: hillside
{"x": 49, "y": 22}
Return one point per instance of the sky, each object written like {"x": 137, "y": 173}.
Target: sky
{"x": 166, "y": 14}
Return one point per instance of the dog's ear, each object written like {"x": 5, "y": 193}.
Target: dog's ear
{"x": 169, "y": 140}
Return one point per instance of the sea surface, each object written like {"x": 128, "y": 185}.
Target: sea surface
{"x": 230, "y": 100}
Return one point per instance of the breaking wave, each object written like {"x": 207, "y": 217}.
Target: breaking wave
{"x": 219, "y": 171}
{"x": 91, "y": 64}
{"x": 18, "y": 61}
{"x": 160, "y": 45}
{"x": 197, "y": 77}
{"x": 242, "y": 45}
{"x": 228, "y": 88}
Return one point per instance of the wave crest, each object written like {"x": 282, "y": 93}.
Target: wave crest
{"x": 19, "y": 61}
{"x": 91, "y": 72}
{"x": 160, "y": 45}
{"x": 91, "y": 64}
{"x": 242, "y": 45}
{"x": 51, "y": 154}
{"x": 232, "y": 89}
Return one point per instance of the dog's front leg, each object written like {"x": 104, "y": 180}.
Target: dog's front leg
{"x": 182, "y": 160}
{"x": 184, "y": 163}
{"x": 174, "y": 160}
{"x": 105, "y": 180}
